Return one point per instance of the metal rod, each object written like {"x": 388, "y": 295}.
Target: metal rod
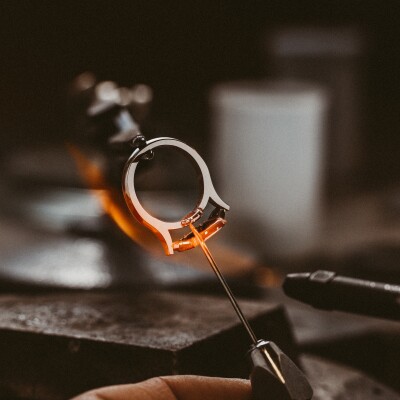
{"x": 224, "y": 284}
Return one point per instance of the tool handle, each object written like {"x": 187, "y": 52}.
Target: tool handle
{"x": 327, "y": 290}
{"x": 275, "y": 376}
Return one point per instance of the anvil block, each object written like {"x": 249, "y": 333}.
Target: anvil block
{"x": 55, "y": 346}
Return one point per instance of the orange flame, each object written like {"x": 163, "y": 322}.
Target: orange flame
{"x": 236, "y": 262}
{"x": 110, "y": 199}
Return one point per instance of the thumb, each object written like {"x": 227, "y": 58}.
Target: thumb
{"x": 181, "y": 387}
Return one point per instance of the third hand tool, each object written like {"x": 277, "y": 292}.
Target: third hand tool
{"x": 273, "y": 374}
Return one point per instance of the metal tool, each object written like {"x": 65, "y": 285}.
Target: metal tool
{"x": 330, "y": 291}
{"x": 273, "y": 374}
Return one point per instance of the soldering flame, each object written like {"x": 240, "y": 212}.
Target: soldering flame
{"x": 111, "y": 199}
{"x": 236, "y": 262}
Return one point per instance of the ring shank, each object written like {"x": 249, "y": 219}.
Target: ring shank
{"x": 160, "y": 227}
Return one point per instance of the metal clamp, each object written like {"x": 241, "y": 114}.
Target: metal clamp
{"x": 162, "y": 228}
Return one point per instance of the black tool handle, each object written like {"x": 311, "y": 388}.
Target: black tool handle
{"x": 275, "y": 376}
{"x": 327, "y": 290}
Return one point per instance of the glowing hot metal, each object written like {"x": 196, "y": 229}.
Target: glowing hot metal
{"x": 161, "y": 228}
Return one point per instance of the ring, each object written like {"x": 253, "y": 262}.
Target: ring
{"x": 159, "y": 227}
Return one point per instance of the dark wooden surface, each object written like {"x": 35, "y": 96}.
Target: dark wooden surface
{"x": 55, "y": 346}
{"x": 58, "y": 345}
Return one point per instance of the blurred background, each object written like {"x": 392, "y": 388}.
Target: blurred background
{"x": 338, "y": 61}
{"x": 183, "y": 50}
{"x": 294, "y": 105}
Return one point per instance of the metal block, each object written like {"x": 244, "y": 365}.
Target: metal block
{"x": 55, "y": 346}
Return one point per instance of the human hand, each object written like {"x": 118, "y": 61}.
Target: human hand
{"x": 181, "y": 387}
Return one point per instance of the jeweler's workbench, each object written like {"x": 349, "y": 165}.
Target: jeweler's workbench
{"x": 55, "y": 346}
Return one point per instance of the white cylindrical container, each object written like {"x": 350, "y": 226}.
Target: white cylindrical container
{"x": 268, "y": 158}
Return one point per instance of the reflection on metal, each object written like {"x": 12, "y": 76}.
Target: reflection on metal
{"x": 162, "y": 228}
{"x": 205, "y": 230}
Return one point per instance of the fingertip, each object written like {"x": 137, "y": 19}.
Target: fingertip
{"x": 184, "y": 387}
{"x": 193, "y": 387}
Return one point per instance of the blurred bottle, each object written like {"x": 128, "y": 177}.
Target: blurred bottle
{"x": 268, "y": 152}
{"x": 332, "y": 57}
